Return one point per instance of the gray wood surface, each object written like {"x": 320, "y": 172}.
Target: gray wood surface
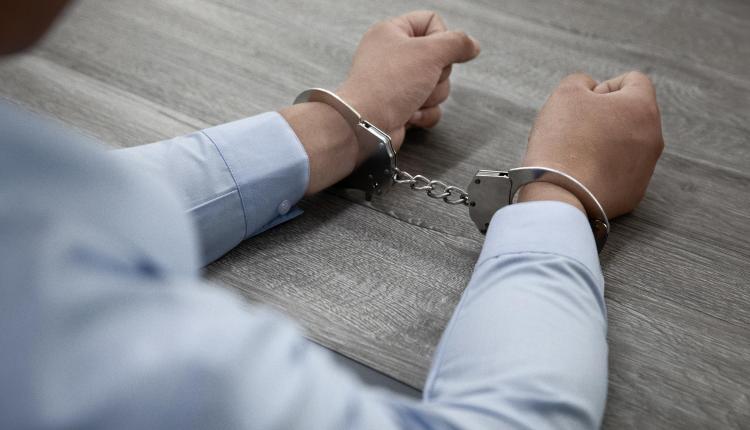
{"x": 378, "y": 281}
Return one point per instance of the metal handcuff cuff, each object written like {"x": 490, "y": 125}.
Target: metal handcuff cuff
{"x": 488, "y": 191}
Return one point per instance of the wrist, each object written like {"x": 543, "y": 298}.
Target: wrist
{"x": 328, "y": 140}
{"x": 545, "y": 191}
{"x": 363, "y": 102}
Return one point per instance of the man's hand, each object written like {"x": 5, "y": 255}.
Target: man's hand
{"x": 400, "y": 73}
{"x": 606, "y": 135}
{"x": 399, "y": 76}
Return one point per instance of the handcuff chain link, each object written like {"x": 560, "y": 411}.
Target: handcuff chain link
{"x": 436, "y": 189}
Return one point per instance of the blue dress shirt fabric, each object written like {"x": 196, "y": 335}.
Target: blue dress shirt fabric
{"x": 106, "y": 322}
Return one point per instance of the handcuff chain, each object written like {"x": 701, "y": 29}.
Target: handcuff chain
{"x": 436, "y": 189}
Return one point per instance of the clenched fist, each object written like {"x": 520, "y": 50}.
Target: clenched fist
{"x": 607, "y": 135}
{"x": 400, "y": 72}
{"x": 399, "y": 77}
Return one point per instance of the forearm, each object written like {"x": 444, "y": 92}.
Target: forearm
{"x": 240, "y": 178}
{"x": 527, "y": 344}
{"x": 236, "y": 179}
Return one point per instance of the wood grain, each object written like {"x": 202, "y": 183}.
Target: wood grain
{"x": 378, "y": 281}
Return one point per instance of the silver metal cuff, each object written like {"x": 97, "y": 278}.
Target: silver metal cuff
{"x": 491, "y": 190}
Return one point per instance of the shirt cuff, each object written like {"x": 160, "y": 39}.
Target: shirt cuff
{"x": 269, "y": 166}
{"x": 548, "y": 227}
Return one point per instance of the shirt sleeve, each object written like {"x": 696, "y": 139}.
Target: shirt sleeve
{"x": 526, "y": 346}
{"x": 525, "y": 349}
{"x": 110, "y": 326}
{"x": 237, "y": 179}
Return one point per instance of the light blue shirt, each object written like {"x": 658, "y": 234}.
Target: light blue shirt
{"x": 106, "y": 322}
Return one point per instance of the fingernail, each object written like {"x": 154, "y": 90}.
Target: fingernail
{"x": 416, "y": 116}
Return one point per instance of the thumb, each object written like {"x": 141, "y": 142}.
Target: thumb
{"x": 453, "y": 46}
{"x": 633, "y": 82}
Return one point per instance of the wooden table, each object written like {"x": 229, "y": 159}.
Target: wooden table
{"x": 378, "y": 281}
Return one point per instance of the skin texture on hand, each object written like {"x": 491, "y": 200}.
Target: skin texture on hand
{"x": 400, "y": 72}
{"x": 607, "y": 135}
{"x": 399, "y": 76}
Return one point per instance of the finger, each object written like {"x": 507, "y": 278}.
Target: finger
{"x": 426, "y": 118}
{"x": 446, "y": 73}
{"x": 439, "y": 94}
{"x": 610, "y": 85}
{"x": 397, "y": 138}
{"x": 632, "y": 82}
{"x": 453, "y": 46}
{"x": 578, "y": 80}
{"x": 420, "y": 23}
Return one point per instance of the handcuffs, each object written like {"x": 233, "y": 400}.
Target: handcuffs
{"x": 488, "y": 191}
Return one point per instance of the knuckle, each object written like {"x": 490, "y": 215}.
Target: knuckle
{"x": 434, "y": 118}
{"x": 575, "y": 77}
{"x": 642, "y": 80}
{"x": 567, "y": 88}
{"x": 461, "y": 35}
{"x": 426, "y": 12}
{"x": 572, "y": 82}
{"x": 455, "y": 39}
{"x": 373, "y": 29}
{"x": 637, "y": 75}
{"x": 464, "y": 38}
